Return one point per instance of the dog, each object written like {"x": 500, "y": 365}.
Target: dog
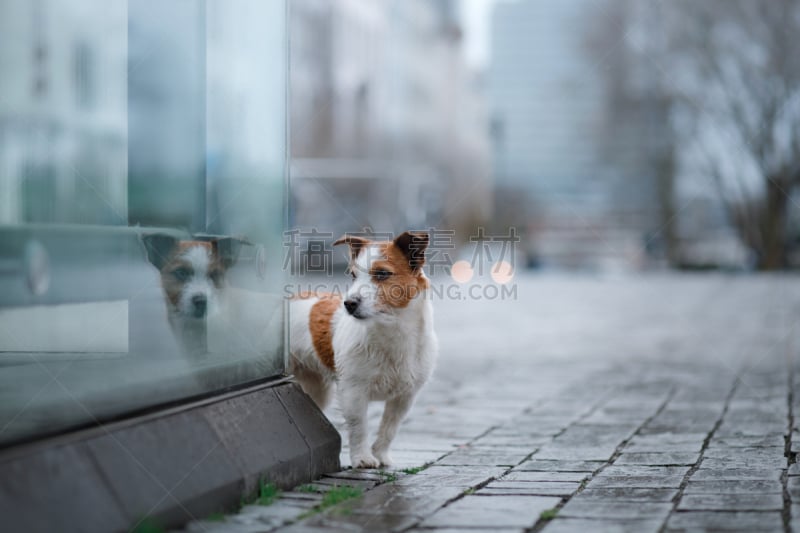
{"x": 375, "y": 344}
{"x": 192, "y": 278}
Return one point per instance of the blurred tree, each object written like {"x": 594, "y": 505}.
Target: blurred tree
{"x": 731, "y": 68}
{"x": 711, "y": 89}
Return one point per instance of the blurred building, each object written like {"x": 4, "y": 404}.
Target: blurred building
{"x": 63, "y": 152}
{"x": 388, "y": 126}
{"x": 551, "y": 137}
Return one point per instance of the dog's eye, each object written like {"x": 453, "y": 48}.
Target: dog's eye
{"x": 381, "y": 275}
{"x": 182, "y": 273}
{"x": 216, "y": 276}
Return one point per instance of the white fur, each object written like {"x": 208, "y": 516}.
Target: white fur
{"x": 189, "y": 329}
{"x": 386, "y": 356}
{"x": 199, "y": 284}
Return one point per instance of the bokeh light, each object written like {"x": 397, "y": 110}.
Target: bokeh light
{"x": 461, "y": 271}
{"x": 502, "y": 272}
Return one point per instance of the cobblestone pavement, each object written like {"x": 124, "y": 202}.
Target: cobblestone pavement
{"x": 655, "y": 403}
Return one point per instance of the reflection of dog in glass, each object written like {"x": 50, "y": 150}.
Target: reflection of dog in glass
{"x": 376, "y": 344}
{"x": 192, "y": 276}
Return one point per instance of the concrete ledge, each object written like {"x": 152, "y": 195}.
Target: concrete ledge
{"x": 175, "y": 466}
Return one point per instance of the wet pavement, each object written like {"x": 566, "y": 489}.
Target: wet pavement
{"x": 650, "y": 403}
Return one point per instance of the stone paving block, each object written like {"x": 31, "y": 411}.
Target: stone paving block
{"x": 544, "y": 465}
{"x": 644, "y": 470}
{"x": 483, "y": 459}
{"x": 644, "y": 458}
{"x": 321, "y": 487}
{"x": 615, "y": 510}
{"x": 752, "y": 429}
{"x": 767, "y": 441}
{"x": 745, "y": 462}
{"x": 754, "y": 453}
{"x": 563, "y": 453}
{"x": 794, "y": 518}
{"x": 593, "y": 434}
{"x": 794, "y": 445}
{"x": 524, "y": 475}
{"x": 301, "y": 498}
{"x": 744, "y": 486}
{"x": 391, "y": 498}
{"x": 578, "y": 525}
{"x": 731, "y": 502}
{"x": 327, "y": 481}
{"x": 725, "y": 521}
{"x": 793, "y": 487}
{"x": 471, "y": 530}
{"x": 747, "y": 417}
{"x": 226, "y": 526}
{"x": 654, "y": 446}
{"x": 626, "y": 423}
{"x": 794, "y": 470}
{"x": 338, "y": 520}
{"x": 491, "y": 511}
{"x": 365, "y": 475}
{"x": 452, "y": 476}
{"x": 525, "y": 429}
{"x": 274, "y": 515}
{"x": 658, "y": 439}
{"x": 628, "y": 494}
{"x": 541, "y": 488}
{"x": 505, "y": 448}
{"x": 641, "y": 482}
{"x": 654, "y": 428}
{"x": 735, "y": 474}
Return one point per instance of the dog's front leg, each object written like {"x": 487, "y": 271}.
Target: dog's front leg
{"x": 354, "y": 408}
{"x": 393, "y": 414}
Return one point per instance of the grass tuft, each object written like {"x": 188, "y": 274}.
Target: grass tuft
{"x": 548, "y": 514}
{"x": 307, "y": 488}
{"x": 388, "y": 477}
{"x": 267, "y": 493}
{"x": 216, "y": 517}
{"x": 334, "y": 497}
{"x": 337, "y": 495}
{"x": 414, "y": 469}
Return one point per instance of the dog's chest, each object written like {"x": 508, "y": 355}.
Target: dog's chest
{"x": 389, "y": 365}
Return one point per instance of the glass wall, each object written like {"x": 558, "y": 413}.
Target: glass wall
{"x": 142, "y": 204}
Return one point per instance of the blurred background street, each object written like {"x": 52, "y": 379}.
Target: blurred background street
{"x": 613, "y": 135}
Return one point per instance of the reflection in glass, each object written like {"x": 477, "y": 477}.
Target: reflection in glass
{"x": 142, "y": 157}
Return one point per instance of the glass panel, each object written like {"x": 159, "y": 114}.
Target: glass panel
{"x": 142, "y": 204}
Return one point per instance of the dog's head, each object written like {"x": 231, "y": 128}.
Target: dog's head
{"x": 387, "y": 275}
{"x": 192, "y": 272}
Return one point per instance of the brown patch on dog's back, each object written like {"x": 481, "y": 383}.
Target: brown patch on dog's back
{"x": 321, "y": 328}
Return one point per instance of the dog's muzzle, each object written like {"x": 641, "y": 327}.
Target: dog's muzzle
{"x": 199, "y": 305}
{"x": 351, "y": 305}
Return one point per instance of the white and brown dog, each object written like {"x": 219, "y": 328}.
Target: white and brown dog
{"x": 376, "y": 344}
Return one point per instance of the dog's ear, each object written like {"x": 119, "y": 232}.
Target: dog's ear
{"x": 226, "y": 249}
{"x": 159, "y": 248}
{"x": 413, "y": 245}
{"x": 356, "y": 243}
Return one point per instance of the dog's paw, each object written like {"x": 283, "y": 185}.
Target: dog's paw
{"x": 382, "y": 456}
{"x": 365, "y": 461}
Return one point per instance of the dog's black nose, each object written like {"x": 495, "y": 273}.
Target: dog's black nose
{"x": 199, "y": 305}
{"x": 351, "y": 304}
